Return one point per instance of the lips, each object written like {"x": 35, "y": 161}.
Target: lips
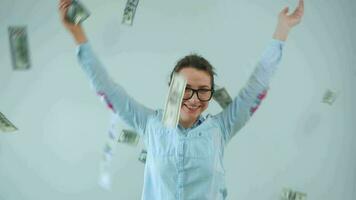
{"x": 190, "y": 108}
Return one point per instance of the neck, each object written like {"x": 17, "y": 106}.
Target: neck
{"x": 187, "y": 123}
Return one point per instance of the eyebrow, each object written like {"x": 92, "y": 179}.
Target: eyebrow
{"x": 201, "y": 87}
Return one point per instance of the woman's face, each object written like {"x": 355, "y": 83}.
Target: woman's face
{"x": 193, "y": 107}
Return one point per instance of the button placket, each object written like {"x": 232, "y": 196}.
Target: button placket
{"x": 180, "y": 151}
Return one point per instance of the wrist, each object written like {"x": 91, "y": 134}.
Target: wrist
{"x": 281, "y": 32}
{"x": 79, "y": 35}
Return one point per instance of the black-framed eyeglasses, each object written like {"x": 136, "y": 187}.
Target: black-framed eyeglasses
{"x": 202, "y": 94}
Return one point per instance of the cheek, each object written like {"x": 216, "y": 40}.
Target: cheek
{"x": 204, "y": 106}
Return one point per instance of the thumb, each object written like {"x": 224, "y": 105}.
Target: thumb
{"x": 285, "y": 10}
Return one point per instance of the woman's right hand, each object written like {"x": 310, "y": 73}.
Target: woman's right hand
{"x": 75, "y": 29}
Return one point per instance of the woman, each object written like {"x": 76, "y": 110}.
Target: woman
{"x": 187, "y": 162}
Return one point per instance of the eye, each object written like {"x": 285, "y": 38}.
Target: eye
{"x": 203, "y": 91}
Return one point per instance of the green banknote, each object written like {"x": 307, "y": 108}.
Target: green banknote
{"x": 20, "y": 52}
{"x": 174, "y": 101}
{"x": 129, "y": 12}
{"x": 222, "y": 97}
{"x": 289, "y": 194}
{"x": 5, "y": 124}
{"x": 129, "y": 137}
{"x": 329, "y": 97}
{"x": 77, "y": 13}
{"x": 143, "y": 156}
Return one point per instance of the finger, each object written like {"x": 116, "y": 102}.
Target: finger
{"x": 300, "y": 7}
{"x": 68, "y": 1}
{"x": 62, "y": 2}
{"x": 63, "y": 5}
{"x": 60, "y": 5}
{"x": 285, "y": 10}
{"x": 65, "y": 2}
{"x": 64, "y": 8}
{"x": 61, "y": 8}
{"x": 301, "y": 4}
{"x": 298, "y": 13}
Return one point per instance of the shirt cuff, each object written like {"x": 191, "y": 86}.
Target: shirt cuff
{"x": 276, "y": 42}
{"x": 82, "y": 47}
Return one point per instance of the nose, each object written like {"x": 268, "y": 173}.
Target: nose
{"x": 195, "y": 97}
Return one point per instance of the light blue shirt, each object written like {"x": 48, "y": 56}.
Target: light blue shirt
{"x": 184, "y": 164}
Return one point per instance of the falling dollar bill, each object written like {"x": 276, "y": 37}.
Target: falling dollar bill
{"x": 143, "y": 156}
{"x": 329, "y": 97}
{"x": 77, "y": 13}
{"x": 105, "y": 176}
{"x": 109, "y": 149}
{"x": 6, "y": 125}
{"x": 174, "y": 100}
{"x": 20, "y": 52}
{"x": 129, "y": 137}
{"x": 222, "y": 97}
{"x": 129, "y": 12}
{"x": 288, "y": 194}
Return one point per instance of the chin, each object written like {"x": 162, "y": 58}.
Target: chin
{"x": 189, "y": 115}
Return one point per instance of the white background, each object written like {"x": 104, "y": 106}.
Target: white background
{"x": 293, "y": 140}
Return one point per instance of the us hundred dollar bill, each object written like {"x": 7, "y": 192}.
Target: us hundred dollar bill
{"x": 129, "y": 137}
{"x": 5, "y": 124}
{"x": 129, "y": 12}
{"x": 77, "y": 13}
{"x": 143, "y": 156}
{"x": 105, "y": 166}
{"x": 289, "y": 194}
{"x": 329, "y": 97}
{"x": 174, "y": 100}
{"x": 222, "y": 97}
{"x": 105, "y": 180}
{"x": 19, "y": 47}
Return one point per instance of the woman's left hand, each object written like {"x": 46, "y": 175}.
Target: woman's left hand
{"x": 286, "y": 22}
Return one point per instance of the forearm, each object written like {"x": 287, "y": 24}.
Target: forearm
{"x": 79, "y": 35}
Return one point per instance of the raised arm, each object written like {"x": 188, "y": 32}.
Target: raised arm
{"x": 76, "y": 30}
{"x": 235, "y": 116}
{"x": 133, "y": 113}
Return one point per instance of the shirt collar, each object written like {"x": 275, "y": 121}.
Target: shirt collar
{"x": 196, "y": 123}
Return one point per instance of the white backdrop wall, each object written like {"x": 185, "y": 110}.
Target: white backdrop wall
{"x": 293, "y": 140}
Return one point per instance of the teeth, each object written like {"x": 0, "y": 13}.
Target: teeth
{"x": 192, "y": 107}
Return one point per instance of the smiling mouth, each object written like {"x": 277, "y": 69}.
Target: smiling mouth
{"x": 191, "y": 108}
